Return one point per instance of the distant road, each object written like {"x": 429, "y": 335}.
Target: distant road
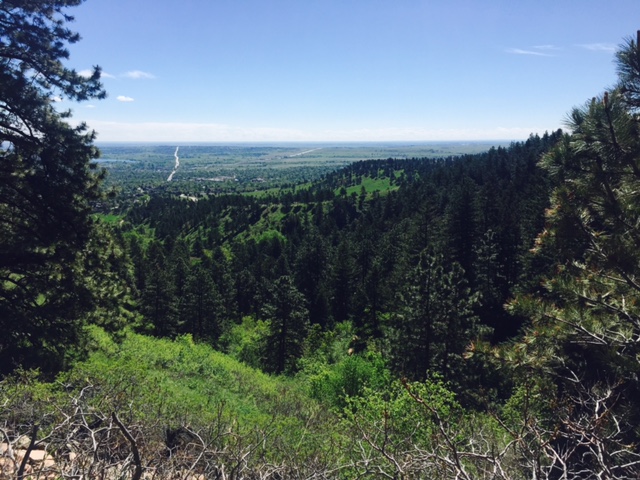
{"x": 175, "y": 169}
{"x": 302, "y": 153}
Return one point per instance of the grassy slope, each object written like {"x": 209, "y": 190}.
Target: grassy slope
{"x": 187, "y": 381}
{"x": 156, "y": 386}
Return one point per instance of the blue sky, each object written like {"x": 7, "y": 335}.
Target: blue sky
{"x": 344, "y": 70}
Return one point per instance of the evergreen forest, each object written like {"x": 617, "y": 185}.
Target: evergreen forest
{"x": 472, "y": 316}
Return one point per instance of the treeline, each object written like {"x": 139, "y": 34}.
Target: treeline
{"x": 420, "y": 270}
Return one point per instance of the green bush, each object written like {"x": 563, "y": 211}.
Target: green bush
{"x": 335, "y": 384}
{"x": 245, "y": 341}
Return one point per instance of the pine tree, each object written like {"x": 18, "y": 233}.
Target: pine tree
{"x": 46, "y": 184}
{"x": 585, "y": 328}
{"x": 202, "y": 308}
{"x": 343, "y": 277}
{"x": 311, "y": 275}
{"x": 460, "y": 228}
{"x": 220, "y": 270}
{"x": 158, "y": 302}
{"x": 436, "y": 323}
{"x": 288, "y": 319}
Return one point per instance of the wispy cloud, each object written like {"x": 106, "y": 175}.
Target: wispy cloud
{"x": 598, "y": 47}
{"x": 540, "y": 51}
{"x": 90, "y": 106}
{"x": 138, "y": 75}
{"x": 551, "y": 50}
{"x": 548, "y": 48}
{"x": 122, "y": 98}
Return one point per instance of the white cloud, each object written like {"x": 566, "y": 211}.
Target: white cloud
{"x": 138, "y": 74}
{"x": 90, "y": 106}
{"x": 520, "y": 51}
{"x": 122, "y": 98}
{"x": 599, "y": 47}
{"x": 550, "y": 50}
{"x": 547, "y": 47}
{"x": 56, "y": 99}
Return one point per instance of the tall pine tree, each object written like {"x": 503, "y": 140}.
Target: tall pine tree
{"x": 585, "y": 329}
{"x": 46, "y": 185}
{"x": 436, "y": 321}
{"x": 288, "y": 317}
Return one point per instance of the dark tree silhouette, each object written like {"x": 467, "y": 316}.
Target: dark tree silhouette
{"x": 287, "y": 313}
{"x": 46, "y": 184}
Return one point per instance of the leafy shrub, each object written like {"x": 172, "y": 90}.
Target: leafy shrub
{"x": 335, "y": 384}
{"x": 245, "y": 341}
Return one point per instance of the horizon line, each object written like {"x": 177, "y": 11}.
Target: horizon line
{"x": 314, "y": 142}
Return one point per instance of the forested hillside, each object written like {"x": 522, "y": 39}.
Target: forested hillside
{"x": 465, "y": 317}
{"x": 461, "y": 228}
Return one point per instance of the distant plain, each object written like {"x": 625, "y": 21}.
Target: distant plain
{"x": 274, "y": 155}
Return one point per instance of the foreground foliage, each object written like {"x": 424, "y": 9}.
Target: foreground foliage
{"x": 154, "y": 408}
{"x": 169, "y": 407}
{"x": 160, "y": 409}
